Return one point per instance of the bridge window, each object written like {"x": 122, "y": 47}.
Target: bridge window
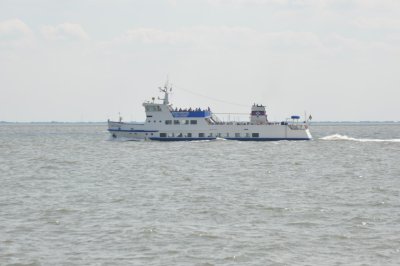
{"x": 193, "y": 122}
{"x": 201, "y": 135}
{"x": 255, "y": 135}
{"x": 163, "y": 135}
{"x": 168, "y": 122}
{"x": 153, "y": 108}
{"x": 176, "y": 122}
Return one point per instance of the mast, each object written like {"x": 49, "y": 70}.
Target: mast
{"x": 166, "y": 93}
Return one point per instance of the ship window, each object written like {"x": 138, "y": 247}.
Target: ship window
{"x": 201, "y": 135}
{"x": 168, "y": 122}
{"x": 172, "y": 134}
{"x": 180, "y": 135}
{"x": 155, "y": 121}
{"x": 185, "y": 122}
{"x": 227, "y": 134}
{"x": 149, "y": 121}
{"x": 237, "y": 135}
{"x": 219, "y": 135}
{"x": 247, "y": 135}
{"x": 255, "y": 135}
{"x": 193, "y": 122}
{"x": 153, "y": 108}
{"x": 163, "y": 135}
{"x": 189, "y": 135}
{"x": 176, "y": 122}
{"x": 210, "y": 135}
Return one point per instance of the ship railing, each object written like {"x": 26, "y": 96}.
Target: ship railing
{"x": 245, "y": 123}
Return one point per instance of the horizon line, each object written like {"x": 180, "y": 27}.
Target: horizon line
{"x": 105, "y": 122}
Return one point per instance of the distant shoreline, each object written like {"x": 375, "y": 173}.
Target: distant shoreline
{"x": 105, "y": 123}
{"x": 52, "y": 123}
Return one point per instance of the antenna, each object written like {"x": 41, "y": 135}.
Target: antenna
{"x": 165, "y": 90}
{"x": 166, "y": 82}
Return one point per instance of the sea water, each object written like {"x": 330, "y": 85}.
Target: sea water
{"x": 71, "y": 196}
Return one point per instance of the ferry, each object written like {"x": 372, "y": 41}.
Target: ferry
{"x": 166, "y": 123}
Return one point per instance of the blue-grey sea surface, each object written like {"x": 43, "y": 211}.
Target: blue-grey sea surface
{"x": 71, "y": 196}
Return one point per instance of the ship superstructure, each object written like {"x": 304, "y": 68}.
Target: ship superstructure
{"x": 165, "y": 123}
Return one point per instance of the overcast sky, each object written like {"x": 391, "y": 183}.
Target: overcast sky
{"x": 87, "y": 60}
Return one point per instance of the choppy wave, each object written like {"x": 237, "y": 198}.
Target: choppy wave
{"x": 175, "y": 203}
{"x": 344, "y": 137}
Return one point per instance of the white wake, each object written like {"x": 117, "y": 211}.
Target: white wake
{"x": 344, "y": 137}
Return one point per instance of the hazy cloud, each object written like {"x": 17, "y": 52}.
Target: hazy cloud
{"x": 387, "y": 4}
{"x": 377, "y": 23}
{"x": 314, "y": 50}
{"x": 248, "y": 2}
{"x": 312, "y": 3}
{"x": 172, "y": 2}
{"x": 14, "y": 32}
{"x": 222, "y": 34}
{"x": 239, "y": 37}
{"x": 65, "y": 31}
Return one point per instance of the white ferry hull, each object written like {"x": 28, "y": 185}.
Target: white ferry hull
{"x": 273, "y": 132}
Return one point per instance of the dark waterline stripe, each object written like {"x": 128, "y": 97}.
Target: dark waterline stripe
{"x": 129, "y": 130}
{"x": 179, "y": 139}
{"x": 239, "y": 139}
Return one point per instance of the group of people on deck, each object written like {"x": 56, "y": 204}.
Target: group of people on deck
{"x": 191, "y": 110}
